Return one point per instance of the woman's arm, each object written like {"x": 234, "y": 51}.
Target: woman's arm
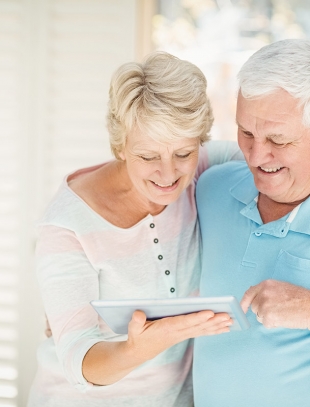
{"x": 105, "y": 363}
{"x": 217, "y": 152}
{"x": 68, "y": 283}
{"x": 221, "y": 151}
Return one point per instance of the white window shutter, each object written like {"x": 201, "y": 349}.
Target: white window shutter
{"x": 10, "y": 203}
{"x": 86, "y": 41}
{"x": 56, "y": 61}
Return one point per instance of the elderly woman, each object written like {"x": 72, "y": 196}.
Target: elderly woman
{"x": 128, "y": 229}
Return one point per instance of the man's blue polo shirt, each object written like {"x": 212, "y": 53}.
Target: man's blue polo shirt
{"x": 259, "y": 367}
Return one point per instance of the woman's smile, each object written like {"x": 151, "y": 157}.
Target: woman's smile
{"x": 167, "y": 187}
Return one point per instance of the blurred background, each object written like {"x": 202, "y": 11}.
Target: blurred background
{"x": 56, "y": 60}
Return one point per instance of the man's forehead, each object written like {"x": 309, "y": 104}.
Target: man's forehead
{"x": 272, "y": 106}
{"x": 268, "y": 112}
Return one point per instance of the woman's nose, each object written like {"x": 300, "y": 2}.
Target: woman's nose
{"x": 167, "y": 171}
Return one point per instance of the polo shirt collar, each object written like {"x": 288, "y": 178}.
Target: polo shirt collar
{"x": 245, "y": 192}
{"x": 301, "y": 223}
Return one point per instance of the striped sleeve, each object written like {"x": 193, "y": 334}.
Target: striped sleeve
{"x": 68, "y": 282}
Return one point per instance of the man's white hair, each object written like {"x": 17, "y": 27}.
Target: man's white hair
{"x": 281, "y": 65}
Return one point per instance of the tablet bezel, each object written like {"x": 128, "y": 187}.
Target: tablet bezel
{"x": 117, "y": 313}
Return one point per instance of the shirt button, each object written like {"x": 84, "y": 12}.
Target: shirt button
{"x": 155, "y": 240}
{"x": 160, "y": 257}
{"x": 167, "y": 272}
{"x": 172, "y": 289}
{"x": 152, "y": 225}
{"x": 257, "y": 233}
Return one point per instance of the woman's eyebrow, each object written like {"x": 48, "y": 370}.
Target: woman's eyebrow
{"x": 138, "y": 150}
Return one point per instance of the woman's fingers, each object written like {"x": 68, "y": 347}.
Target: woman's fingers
{"x": 147, "y": 339}
{"x": 137, "y": 324}
{"x": 204, "y": 319}
{"x": 220, "y": 323}
{"x": 208, "y": 326}
{"x": 181, "y": 326}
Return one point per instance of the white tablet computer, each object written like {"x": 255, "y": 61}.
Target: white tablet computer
{"x": 117, "y": 313}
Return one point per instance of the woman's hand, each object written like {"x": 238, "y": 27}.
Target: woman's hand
{"x": 48, "y": 331}
{"x": 107, "y": 362}
{"x": 149, "y": 338}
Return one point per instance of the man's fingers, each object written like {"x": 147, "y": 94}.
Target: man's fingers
{"x": 248, "y": 297}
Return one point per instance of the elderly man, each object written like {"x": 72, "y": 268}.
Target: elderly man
{"x": 255, "y": 224}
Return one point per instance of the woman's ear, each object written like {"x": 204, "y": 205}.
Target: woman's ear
{"x": 122, "y": 155}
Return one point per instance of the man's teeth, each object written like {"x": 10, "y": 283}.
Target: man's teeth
{"x": 270, "y": 169}
{"x": 165, "y": 186}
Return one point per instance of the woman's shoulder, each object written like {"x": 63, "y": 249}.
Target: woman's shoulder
{"x": 217, "y": 152}
{"x": 71, "y": 205}
{"x": 86, "y": 181}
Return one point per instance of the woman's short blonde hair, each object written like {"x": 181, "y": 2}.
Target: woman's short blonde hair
{"x": 164, "y": 96}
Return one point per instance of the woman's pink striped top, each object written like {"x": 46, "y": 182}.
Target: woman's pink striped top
{"x": 82, "y": 257}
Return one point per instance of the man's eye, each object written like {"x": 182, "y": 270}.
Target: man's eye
{"x": 247, "y": 133}
{"x": 279, "y": 145}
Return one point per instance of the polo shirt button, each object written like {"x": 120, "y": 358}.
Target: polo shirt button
{"x": 152, "y": 225}
{"x": 172, "y": 289}
{"x": 257, "y": 233}
{"x": 167, "y": 272}
{"x": 160, "y": 257}
{"x": 155, "y": 240}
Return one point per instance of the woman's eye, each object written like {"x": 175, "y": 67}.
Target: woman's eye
{"x": 147, "y": 158}
{"x": 183, "y": 155}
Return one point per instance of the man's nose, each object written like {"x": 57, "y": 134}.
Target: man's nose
{"x": 259, "y": 153}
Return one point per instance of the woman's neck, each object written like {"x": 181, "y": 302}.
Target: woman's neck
{"x": 109, "y": 191}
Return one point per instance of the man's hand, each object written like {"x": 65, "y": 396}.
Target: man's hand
{"x": 279, "y": 304}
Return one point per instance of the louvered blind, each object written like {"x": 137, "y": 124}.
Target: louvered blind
{"x": 10, "y": 204}
{"x": 86, "y": 40}
{"x": 56, "y": 60}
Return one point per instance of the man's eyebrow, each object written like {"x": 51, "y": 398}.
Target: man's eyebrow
{"x": 239, "y": 125}
{"x": 275, "y": 136}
